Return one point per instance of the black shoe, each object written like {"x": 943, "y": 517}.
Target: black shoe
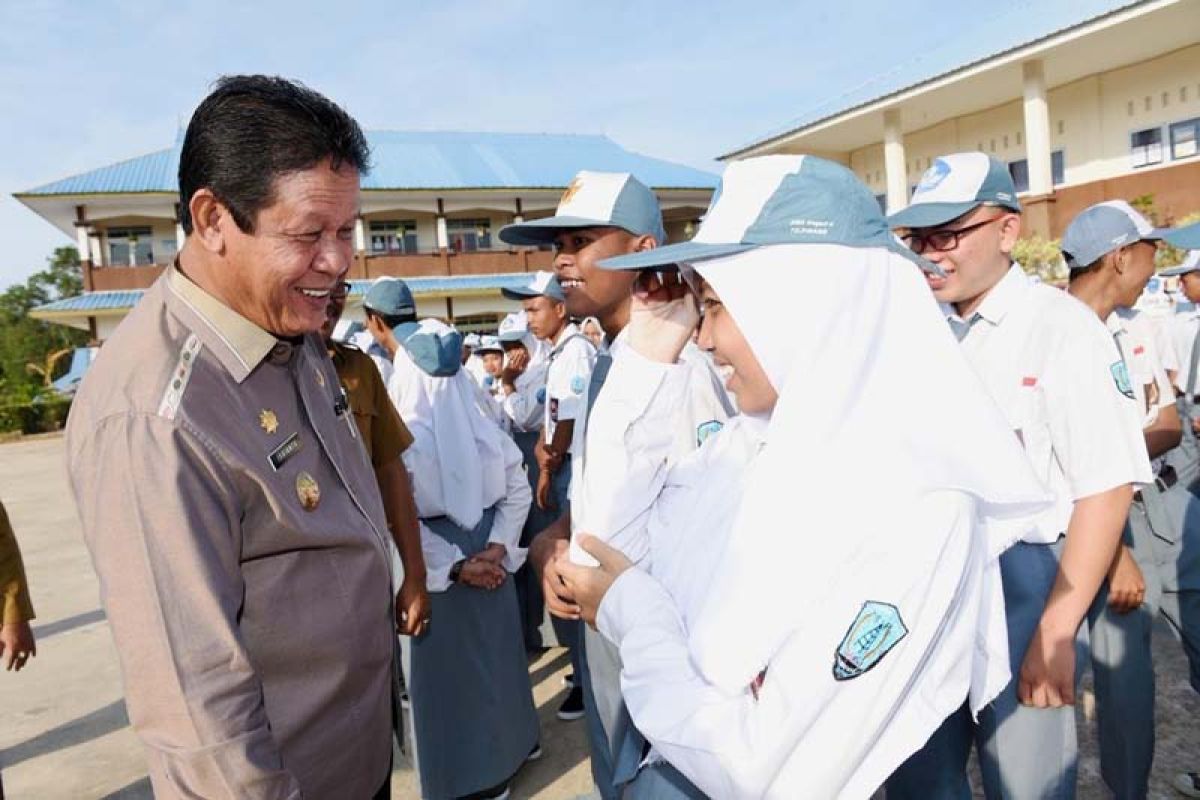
{"x": 535, "y": 753}
{"x": 569, "y": 680}
{"x": 572, "y": 707}
{"x": 1187, "y": 784}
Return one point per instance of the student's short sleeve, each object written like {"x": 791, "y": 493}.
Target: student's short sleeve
{"x": 568, "y": 379}
{"x": 1094, "y": 421}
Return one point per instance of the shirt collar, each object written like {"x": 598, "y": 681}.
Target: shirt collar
{"x": 1004, "y": 296}
{"x": 238, "y": 343}
{"x": 569, "y": 330}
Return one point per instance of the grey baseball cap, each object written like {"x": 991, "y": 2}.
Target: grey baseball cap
{"x": 1190, "y": 264}
{"x": 391, "y": 297}
{"x": 1102, "y": 228}
{"x": 955, "y": 185}
{"x": 1187, "y": 237}
{"x": 595, "y": 200}
{"x": 541, "y": 284}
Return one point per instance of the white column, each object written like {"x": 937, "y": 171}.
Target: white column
{"x": 360, "y": 235}
{"x": 443, "y": 235}
{"x": 1037, "y": 129}
{"x": 81, "y": 241}
{"x": 893, "y": 161}
{"x": 96, "y": 249}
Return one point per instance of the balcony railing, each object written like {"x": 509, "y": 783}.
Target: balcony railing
{"x": 365, "y": 265}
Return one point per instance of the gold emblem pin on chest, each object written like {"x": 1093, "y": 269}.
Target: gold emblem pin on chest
{"x": 308, "y": 491}
{"x": 268, "y": 421}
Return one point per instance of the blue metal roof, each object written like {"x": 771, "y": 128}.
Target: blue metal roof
{"x": 1015, "y": 25}
{"x": 432, "y": 160}
{"x": 91, "y": 302}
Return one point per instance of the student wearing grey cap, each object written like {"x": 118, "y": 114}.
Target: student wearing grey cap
{"x": 602, "y": 215}
{"x": 1056, "y": 374}
{"x": 1110, "y": 249}
{"x": 387, "y": 303}
{"x": 1178, "y": 559}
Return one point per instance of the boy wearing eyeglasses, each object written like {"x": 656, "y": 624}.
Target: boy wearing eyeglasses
{"x": 1058, "y": 378}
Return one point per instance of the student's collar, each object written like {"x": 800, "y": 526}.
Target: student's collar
{"x": 1001, "y": 299}
{"x": 238, "y": 343}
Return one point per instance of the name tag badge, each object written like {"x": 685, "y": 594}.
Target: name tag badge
{"x": 279, "y": 456}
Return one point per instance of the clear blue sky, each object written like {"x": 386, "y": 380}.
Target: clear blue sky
{"x": 84, "y": 84}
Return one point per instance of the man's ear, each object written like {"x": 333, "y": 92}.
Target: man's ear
{"x": 1010, "y": 232}
{"x": 643, "y": 242}
{"x": 210, "y": 220}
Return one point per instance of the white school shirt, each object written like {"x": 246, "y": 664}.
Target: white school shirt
{"x": 801, "y": 733}
{"x": 1055, "y": 372}
{"x": 567, "y": 379}
{"x": 1183, "y": 327}
{"x": 524, "y": 409}
{"x": 699, "y": 409}
{"x": 1136, "y": 335}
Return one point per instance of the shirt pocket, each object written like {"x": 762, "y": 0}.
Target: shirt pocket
{"x": 1031, "y": 423}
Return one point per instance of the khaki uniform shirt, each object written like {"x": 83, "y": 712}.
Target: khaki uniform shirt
{"x": 14, "y": 589}
{"x": 237, "y": 530}
{"x": 383, "y": 432}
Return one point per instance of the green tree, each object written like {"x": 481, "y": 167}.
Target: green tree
{"x": 24, "y": 340}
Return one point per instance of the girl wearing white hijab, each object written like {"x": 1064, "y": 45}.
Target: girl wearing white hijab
{"x": 817, "y": 588}
{"x": 473, "y": 710}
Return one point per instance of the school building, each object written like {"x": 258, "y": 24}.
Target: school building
{"x": 430, "y": 211}
{"x": 1087, "y": 100}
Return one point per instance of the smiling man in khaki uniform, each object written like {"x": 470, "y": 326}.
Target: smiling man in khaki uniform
{"x": 227, "y": 501}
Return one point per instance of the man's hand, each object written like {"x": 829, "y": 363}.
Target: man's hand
{"x": 1126, "y": 584}
{"x": 546, "y": 460}
{"x": 515, "y": 363}
{"x": 589, "y": 584}
{"x": 494, "y": 553}
{"x": 16, "y": 645}
{"x": 1047, "y": 678}
{"x": 663, "y": 315}
{"x": 544, "y": 553}
{"x": 412, "y": 607}
{"x": 482, "y": 574}
{"x": 545, "y": 497}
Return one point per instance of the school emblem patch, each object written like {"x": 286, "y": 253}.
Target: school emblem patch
{"x": 578, "y": 384}
{"x": 541, "y": 396}
{"x": 572, "y": 188}
{"x": 934, "y": 176}
{"x": 1120, "y": 375}
{"x": 875, "y": 631}
{"x": 707, "y": 429}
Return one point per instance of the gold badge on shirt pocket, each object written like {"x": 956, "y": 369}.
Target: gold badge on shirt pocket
{"x": 268, "y": 421}
{"x": 308, "y": 491}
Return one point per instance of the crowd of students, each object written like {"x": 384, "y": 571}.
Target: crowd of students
{"x": 820, "y": 545}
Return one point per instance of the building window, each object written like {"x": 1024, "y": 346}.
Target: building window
{"x": 1058, "y": 167}
{"x": 129, "y": 247}
{"x": 468, "y": 235}
{"x": 1185, "y": 138}
{"x": 393, "y": 236}
{"x": 1145, "y": 147}
{"x": 1019, "y": 170}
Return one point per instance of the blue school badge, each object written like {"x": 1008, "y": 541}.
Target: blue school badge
{"x": 541, "y": 396}
{"x": 1120, "y": 375}
{"x": 707, "y": 429}
{"x": 934, "y": 176}
{"x": 578, "y": 384}
{"x": 874, "y": 632}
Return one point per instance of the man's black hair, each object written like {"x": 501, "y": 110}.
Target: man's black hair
{"x": 390, "y": 320}
{"x": 254, "y": 128}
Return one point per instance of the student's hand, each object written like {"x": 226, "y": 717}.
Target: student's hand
{"x": 515, "y": 362}
{"x": 545, "y": 459}
{"x": 1047, "y": 677}
{"x": 545, "y": 495}
{"x": 663, "y": 315}
{"x": 544, "y": 552}
{"x": 494, "y": 553}
{"x": 590, "y": 584}
{"x": 1126, "y": 584}
{"x": 16, "y": 645}
{"x": 412, "y": 607}
{"x": 482, "y": 574}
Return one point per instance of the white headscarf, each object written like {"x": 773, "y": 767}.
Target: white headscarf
{"x": 456, "y": 458}
{"x": 877, "y": 407}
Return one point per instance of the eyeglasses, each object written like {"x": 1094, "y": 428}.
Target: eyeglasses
{"x": 943, "y": 240}
{"x": 340, "y": 291}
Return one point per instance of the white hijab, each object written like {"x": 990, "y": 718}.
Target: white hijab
{"x": 877, "y": 407}
{"x": 456, "y": 458}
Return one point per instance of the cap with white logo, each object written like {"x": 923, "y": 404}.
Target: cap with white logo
{"x": 513, "y": 327}
{"x": 1190, "y": 264}
{"x": 489, "y": 344}
{"x": 595, "y": 200}
{"x": 471, "y": 340}
{"x": 1187, "y": 237}
{"x": 542, "y": 284}
{"x": 780, "y": 200}
{"x": 1102, "y": 228}
{"x": 955, "y": 185}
